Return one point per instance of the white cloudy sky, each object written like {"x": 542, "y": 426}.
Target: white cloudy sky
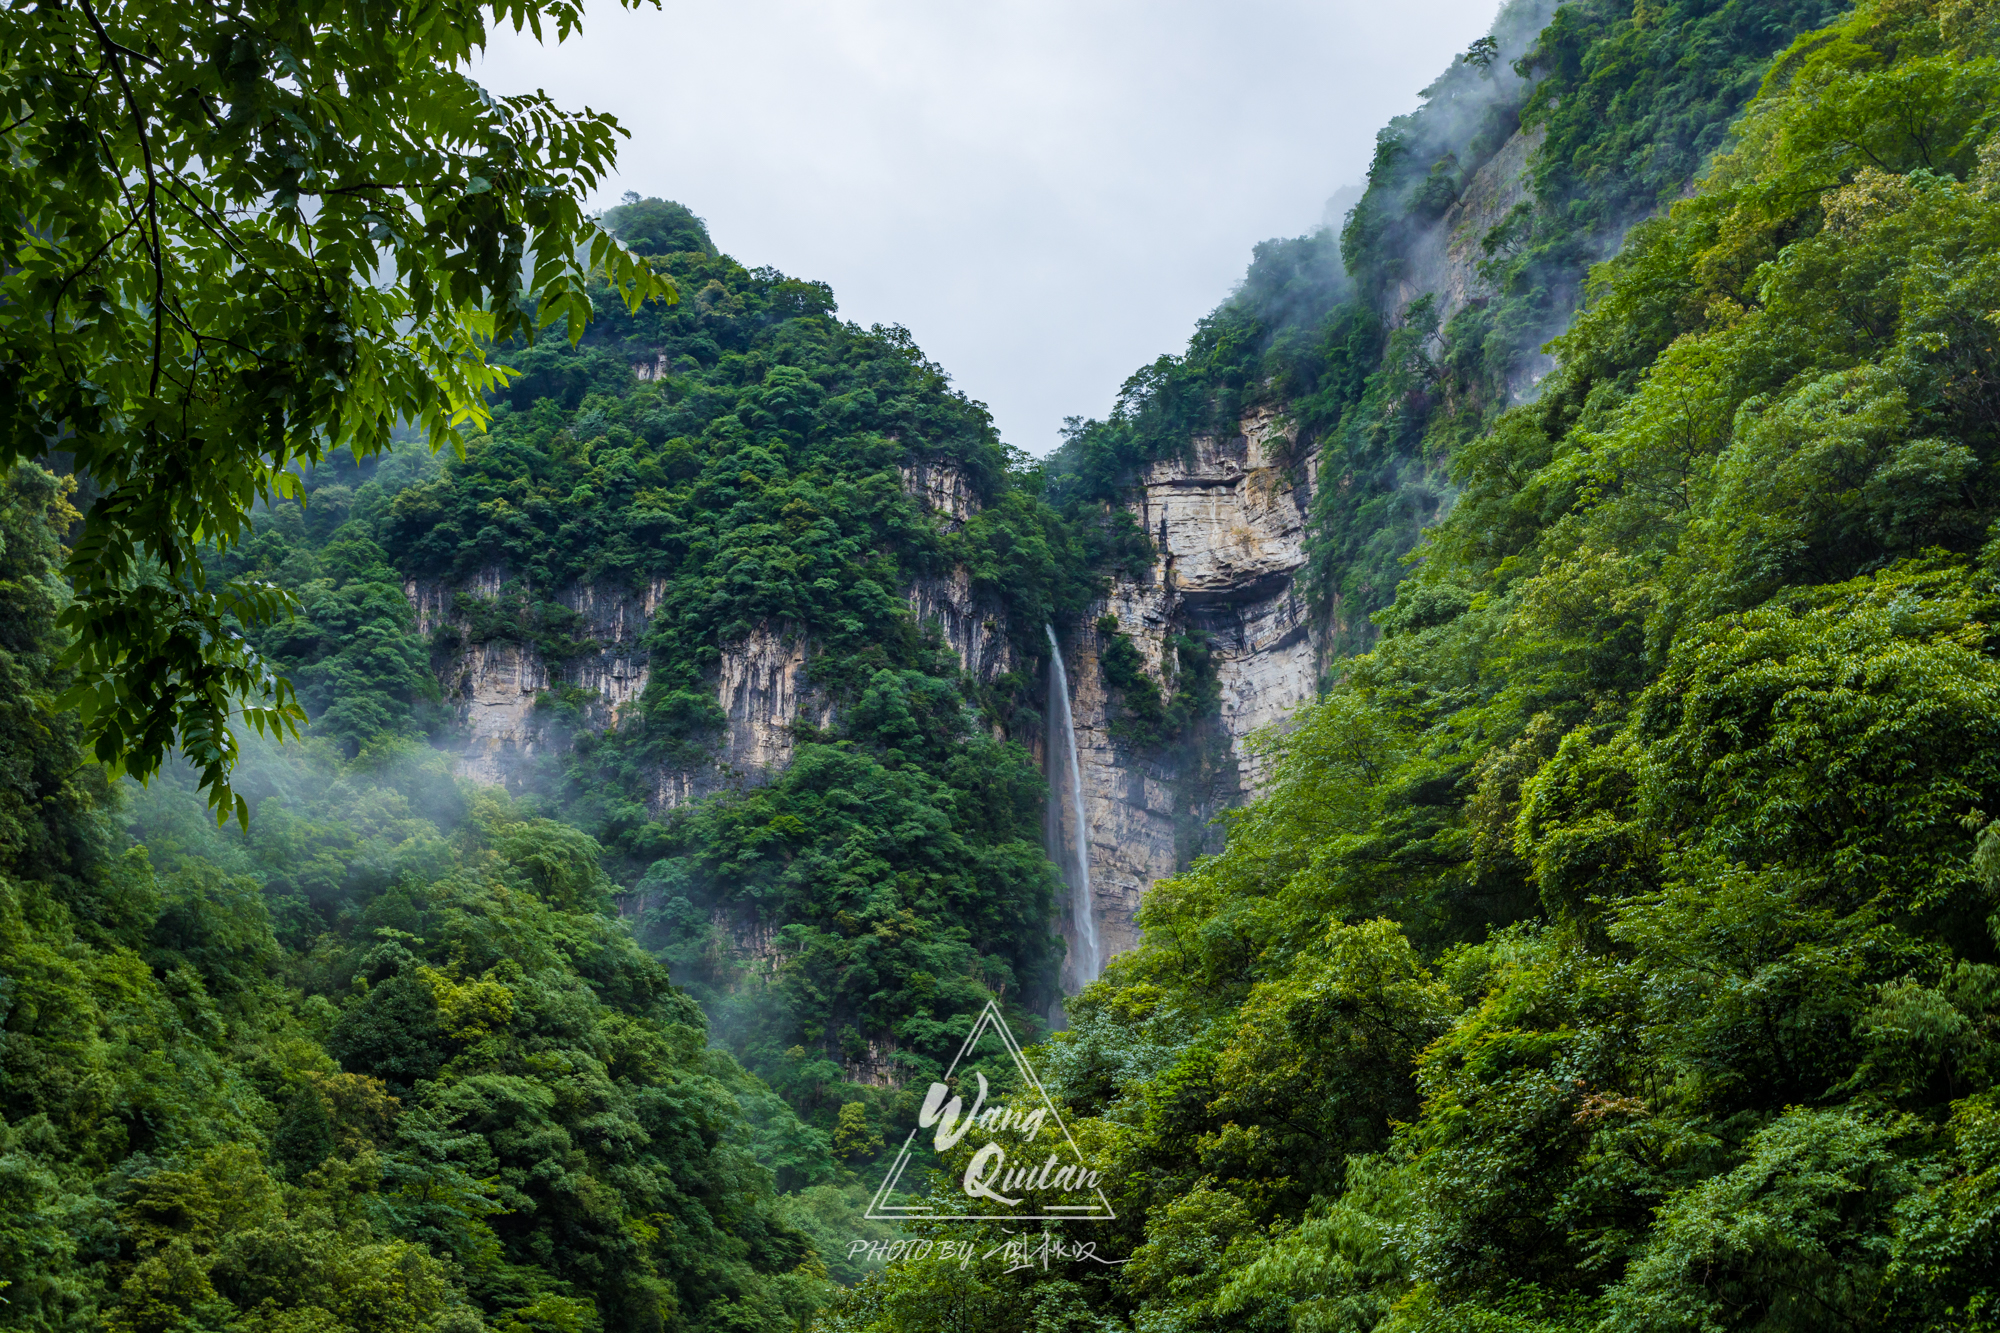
{"x": 1047, "y": 193}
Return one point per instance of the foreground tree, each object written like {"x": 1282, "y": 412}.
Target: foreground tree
{"x": 238, "y": 237}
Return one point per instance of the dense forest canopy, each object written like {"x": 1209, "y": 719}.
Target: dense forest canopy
{"x": 1615, "y": 945}
{"x": 1616, "y": 948}
{"x": 473, "y": 1103}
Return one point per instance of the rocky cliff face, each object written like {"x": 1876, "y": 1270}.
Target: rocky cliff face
{"x": 762, "y": 685}
{"x": 1229, "y": 523}
{"x": 1445, "y": 259}
{"x": 1229, "y": 519}
{"x": 495, "y": 684}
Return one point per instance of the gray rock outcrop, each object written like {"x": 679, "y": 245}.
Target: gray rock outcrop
{"x": 1228, "y": 521}
{"x": 499, "y": 687}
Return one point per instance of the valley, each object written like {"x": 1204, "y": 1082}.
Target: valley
{"x": 1462, "y": 804}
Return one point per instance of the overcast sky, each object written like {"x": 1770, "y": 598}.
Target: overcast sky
{"x": 1047, "y": 193}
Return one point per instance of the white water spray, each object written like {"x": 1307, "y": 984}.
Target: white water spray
{"x": 1076, "y": 867}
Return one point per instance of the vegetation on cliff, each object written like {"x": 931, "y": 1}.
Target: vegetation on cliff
{"x": 1617, "y": 946}
{"x": 383, "y": 1056}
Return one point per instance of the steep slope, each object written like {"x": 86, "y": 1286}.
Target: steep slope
{"x": 1615, "y": 947}
{"x": 1308, "y": 435}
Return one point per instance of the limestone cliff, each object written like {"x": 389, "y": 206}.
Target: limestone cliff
{"x": 495, "y": 684}
{"x": 762, "y": 685}
{"x": 1228, "y": 520}
{"x": 1444, "y": 259}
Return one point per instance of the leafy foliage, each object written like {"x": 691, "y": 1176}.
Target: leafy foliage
{"x": 201, "y": 203}
{"x": 1615, "y": 945}
{"x": 1146, "y": 713}
{"x": 741, "y": 457}
{"x": 896, "y": 871}
{"x": 384, "y": 1062}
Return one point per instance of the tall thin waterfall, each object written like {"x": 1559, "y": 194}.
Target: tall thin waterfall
{"x": 1076, "y": 866}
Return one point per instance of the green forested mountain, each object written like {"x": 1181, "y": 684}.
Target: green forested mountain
{"x": 1345, "y": 331}
{"x": 753, "y": 482}
{"x": 403, "y": 1066}
{"x": 1614, "y": 946}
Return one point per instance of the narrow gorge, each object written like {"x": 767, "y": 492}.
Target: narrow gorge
{"x": 1226, "y": 516}
{"x": 1460, "y": 803}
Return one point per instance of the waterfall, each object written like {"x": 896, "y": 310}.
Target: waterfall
{"x": 1076, "y": 866}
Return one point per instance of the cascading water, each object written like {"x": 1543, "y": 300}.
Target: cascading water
{"x": 1076, "y": 864}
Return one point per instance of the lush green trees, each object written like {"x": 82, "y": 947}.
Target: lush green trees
{"x": 471, "y": 1050}
{"x": 1614, "y": 947}
{"x": 383, "y": 1062}
{"x": 1622, "y": 929}
{"x": 897, "y": 869}
{"x": 657, "y": 226}
{"x": 240, "y": 237}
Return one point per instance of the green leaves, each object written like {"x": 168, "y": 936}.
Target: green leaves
{"x": 238, "y": 239}
{"x": 1792, "y": 1238}
{"x": 1627, "y": 914}
{"x": 160, "y": 667}
{"x": 1848, "y": 730}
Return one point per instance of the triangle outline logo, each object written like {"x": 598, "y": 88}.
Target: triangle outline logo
{"x": 881, "y": 1210}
